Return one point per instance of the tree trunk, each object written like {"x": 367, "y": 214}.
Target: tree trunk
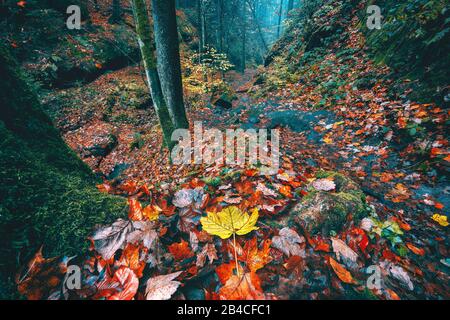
{"x": 244, "y": 36}
{"x": 220, "y": 8}
{"x": 258, "y": 26}
{"x": 116, "y": 12}
{"x": 169, "y": 65}
{"x": 290, "y": 5}
{"x": 280, "y": 18}
{"x": 147, "y": 45}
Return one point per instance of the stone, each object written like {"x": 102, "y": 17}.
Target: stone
{"x": 325, "y": 211}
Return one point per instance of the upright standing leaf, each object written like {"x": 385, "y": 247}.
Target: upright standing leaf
{"x": 228, "y": 221}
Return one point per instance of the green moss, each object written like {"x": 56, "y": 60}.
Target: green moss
{"x": 323, "y": 211}
{"x": 47, "y": 195}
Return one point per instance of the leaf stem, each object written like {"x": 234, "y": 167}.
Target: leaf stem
{"x": 235, "y": 254}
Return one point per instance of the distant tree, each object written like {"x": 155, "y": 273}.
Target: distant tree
{"x": 290, "y": 5}
{"x": 169, "y": 65}
{"x": 280, "y": 17}
{"x": 116, "y": 12}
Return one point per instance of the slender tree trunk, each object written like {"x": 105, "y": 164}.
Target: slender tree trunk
{"x": 199, "y": 30}
{"x": 220, "y": 9}
{"x": 169, "y": 65}
{"x": 258, "y": 26}
{"x": 244, "y": 36}
{"x": 290, "y": 5}
{"x": 147, "y": 45}
{"x": 280, "y": 19}
{"x": 116, "y": 11}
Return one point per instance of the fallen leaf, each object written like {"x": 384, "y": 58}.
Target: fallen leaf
{"x": 162, "y": 287}
{"x": 341, "y": 272}
{"x": 244, "y": 287}
{"x": 288, "y": 241}
{"x": 107, "y": 240}
{"x": 181, "y": 250}
{"x": 229, "y": 221}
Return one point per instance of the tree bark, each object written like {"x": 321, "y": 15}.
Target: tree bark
{"x": 169, "y": 65}
{"x": 290, "y": 5}
{"x": 244, "y": 37}
{"x": 280, "y": 19}
{"x": 147, "y": 46}
{"x": 116, "y": 11}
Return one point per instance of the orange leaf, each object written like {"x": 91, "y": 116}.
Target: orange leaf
{"x": 341, "y": 272}
{"x": 244, "y": 287}
{"x": 21, "y": 4}
{"x": 129, "y": 283}
{"x": 131, "y": 259}
{"x": 418, "y": 251}
{"x": 181, "y": 250}
{"x": 256, "y": 259}
{"x": 286, "y": 191}
{"x": 135, "y": 211}
{"x": 438, "y": 205}
{"x": 401, "y": 121}
{"x": 225, "y": 271}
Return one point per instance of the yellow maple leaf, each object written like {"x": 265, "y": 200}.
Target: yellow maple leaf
{"x": 151, "y": 212}
{"x": 229, "y": 221}
{"x": 441, "y": 219}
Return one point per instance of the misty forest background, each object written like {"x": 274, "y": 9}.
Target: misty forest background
{"x": 85, "y": 125}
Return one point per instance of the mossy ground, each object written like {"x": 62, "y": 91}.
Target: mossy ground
{"x": 47, "y": 195}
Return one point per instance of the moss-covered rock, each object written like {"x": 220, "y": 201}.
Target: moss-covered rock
{"x": 47, "y": 195}
{"x": 324, "y": 211}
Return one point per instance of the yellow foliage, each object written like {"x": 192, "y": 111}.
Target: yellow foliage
{"x": 229, "y": 221}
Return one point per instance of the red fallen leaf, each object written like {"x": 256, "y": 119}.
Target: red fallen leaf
{"x": 225, "y": 271}
{"x": 129, "y": 283}
{"x": 41, "y": 276}
{"x": 254, "y": 258}
{"x": 135, "y": 211}
{"x": 341, "y": 272}
{"x": 418, "y": 251}
{"x": 436, "y": 151}
{"x": 295, "y": 184}
{"x": 98, "y": 65}
{"x": 131, "y": 258}
{"x": 439, "y": 205}
{"x": 104, "y": 187}
{"x": 386, "y": 177}
{"x": 364, "y": 240}
{"x": 181, "y": 250}
{"x": 286, "y": 191}
{"x": 243, "y": 287}
{"x": 392, "y": 295}
{"x": 244, "y": 187}
{"x": 254, "y": 199}
{"x": 405, "y": 226}
{"x": 193, "y": 270}
{"x": 144, "y": 188}
{"x": 250, "y": 172}
{"x": 21, "y": 4}
{"x": 401, "y": 122}
{"x": 317, "y": 242}
{"x": 196, "y": 182}
{"x": 167, "y": 210}
{"x": 295, "y": 265}
{"x": 129, "y": 186}
{"x": 389, "y": 255}
{"x": 14, "y": 45}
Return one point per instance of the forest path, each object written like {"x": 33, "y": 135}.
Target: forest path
{"x": 318, "y": 139}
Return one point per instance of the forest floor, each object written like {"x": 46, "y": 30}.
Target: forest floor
{"x": 403, "y": 233}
